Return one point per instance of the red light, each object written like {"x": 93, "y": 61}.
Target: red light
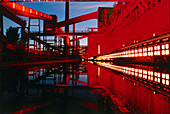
{"x": 30, "y": 10}
{"x": 23, "y": 8}
{"x": 13, "y": 5}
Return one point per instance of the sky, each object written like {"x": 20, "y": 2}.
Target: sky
{"x": 58, "y": 9}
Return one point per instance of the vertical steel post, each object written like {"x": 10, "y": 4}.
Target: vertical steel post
{"x": 73, "y": 40}
{"x": 73, "y": 36}
{"x": 29, "y": 36}
{"x": 66, "y": 39}
{"x": 40, "y": 39}
{"x": 1, "y": 31}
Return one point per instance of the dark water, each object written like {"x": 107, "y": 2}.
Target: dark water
{"x": 84, "y": 88}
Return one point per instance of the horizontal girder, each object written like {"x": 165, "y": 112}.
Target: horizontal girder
{"x": 59, "y": 34}
{"x": 93, "y": 15}
{"x": 11, "y": 15}
{"x": 72, "y": 0}
{"x": 26, "y": 11}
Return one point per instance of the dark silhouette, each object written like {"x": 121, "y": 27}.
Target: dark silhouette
{"x": 12, "y": 35}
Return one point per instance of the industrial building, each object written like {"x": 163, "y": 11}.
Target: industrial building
{"x": 124, "y": 68}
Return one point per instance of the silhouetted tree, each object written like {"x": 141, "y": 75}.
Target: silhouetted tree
{"x": 12, "y": 35}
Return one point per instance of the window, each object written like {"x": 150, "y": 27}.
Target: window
{"x": 156, "y": 50}
{"x": 165, "y": 49}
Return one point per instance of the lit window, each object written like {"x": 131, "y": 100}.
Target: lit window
{"x": 163, "y": 46}
{"x": 163, "y": 52}
{"x": 140, "y": 50}
{"x": 136, "y": 55}
{"x": 157, "y": 53}
{"x": 132, "y": 73}
{"x": 156, "y": 47}
{"x": 149, "y": 53}
{"x": 159, "y": 75}
{"x": 13, "y": 5}
{"x": 98, "y": 49}
{"x": 156, "y": 74}
{"x": 149, "y": 72}
{"x": 167, "y": 52}
{"x": 163, "y": 81}
{"x": 140, "y": 75}
{"x": 167, "y": 82}
{"x": 163, "y": 75}
{"x": 140, "y": 54}
{"x": 144, "y": 54}
{"x": 149, "y": 77}
{"x": 159, "y": 80}
{"x": 140, "y": 71}
{"x": 136, "y": 70}
{"x": 144, "y": 49}
{"x": 167, "y": 76}
{"x": 145, "y": 76}
{"x": 136, "y": 74}
{"x": 167, "y": 46}
{"x": 150, "y": 48}
{"x": 30, "y": 10}
{"x": 132, "y": 69}
{"x": 144, "y": 71}
{"x": 23, "y": 8}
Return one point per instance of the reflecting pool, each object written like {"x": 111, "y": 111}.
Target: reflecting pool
{"x": 84, "y": 88}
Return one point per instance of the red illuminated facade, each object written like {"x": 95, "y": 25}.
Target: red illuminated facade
{"x": 128, "y": 54}
{"x": 134, "y": 30}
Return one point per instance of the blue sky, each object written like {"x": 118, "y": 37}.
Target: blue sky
{"x": 58, "y": 8}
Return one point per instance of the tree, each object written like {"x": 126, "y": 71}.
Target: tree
{"x": 12, "y": 35}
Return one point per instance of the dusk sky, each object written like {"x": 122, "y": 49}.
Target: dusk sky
{"x": 58, "y": 9}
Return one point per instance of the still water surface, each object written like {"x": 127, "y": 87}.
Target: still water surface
{"x": 84, "y": 88}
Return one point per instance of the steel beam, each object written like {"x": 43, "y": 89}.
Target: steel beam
{"x": 73, "y": 40}
{"x": 11, "y": 15}
{"x": 93, "y": 15}
{"x": 26, "y": 11}
{"x": 66, "y": 38}
{"x": 72, "y": 0}
{"x": 1, "y": 26}
{"x": 73, "y": 36}
{"x": 61, "y": 34}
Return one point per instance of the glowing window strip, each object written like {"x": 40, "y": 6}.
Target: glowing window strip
{"x": 139, "y": 72}
{"x": 30, "y": 10}
{"x": 13, "y": 5}
{"x": 139, "y": 53}
{"x": 23, "y": 8}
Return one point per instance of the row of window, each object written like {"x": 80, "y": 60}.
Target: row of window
{"x": 157, "y": 50}
{"x": 32, "y": 11}
{"x": 146, "y": 74}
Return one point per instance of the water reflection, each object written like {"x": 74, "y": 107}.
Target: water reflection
{"x": 56, "y": 88}
{"x": 141, "y": 89}
{"x": 84, "y": 87}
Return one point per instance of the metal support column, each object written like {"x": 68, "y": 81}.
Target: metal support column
{"x": 74, "y": 36}
{"x": 73, "y": 40}
{"x": 66, "y": 39}
{"x": 28, "y": 47}
{"x": 40, "y": 39}
{"x": 1, "y": 25}
{"x": 1, "y": 33}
